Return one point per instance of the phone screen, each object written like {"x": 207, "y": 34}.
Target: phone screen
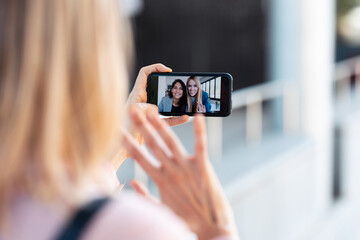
{"x": 191, "y": 93}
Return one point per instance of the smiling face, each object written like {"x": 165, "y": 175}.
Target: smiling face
{"x": 192, "y": 88}
{"x": 177, "y": 91}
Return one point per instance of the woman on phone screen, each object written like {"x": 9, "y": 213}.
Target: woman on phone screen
{"x": 197, "y": 99}
{"x": 63, "y": 108}
{"x": 176, "y": 101}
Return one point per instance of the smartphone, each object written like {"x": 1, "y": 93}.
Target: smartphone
{"x": 177, "y": 94}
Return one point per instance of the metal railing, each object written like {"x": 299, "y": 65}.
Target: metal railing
{"x": 252, "y": 99}
{"x": 346, "y": 91}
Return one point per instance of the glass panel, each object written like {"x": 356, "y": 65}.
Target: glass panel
{"x": 218, "y": 87}
{"x": 212, "y": 88}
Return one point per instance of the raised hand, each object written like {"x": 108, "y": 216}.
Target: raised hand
{"x": 186, "y": 183}
{"x": 200, "y": 108}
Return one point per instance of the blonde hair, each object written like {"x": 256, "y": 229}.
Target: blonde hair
{"x": 63, "y": 81}
{"x": 198, "y": 96}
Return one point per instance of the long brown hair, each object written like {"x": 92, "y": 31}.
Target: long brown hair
{"x": 198, "y": 96}
{"x": 63, "y": 81}
{"x": 183, "y": 98}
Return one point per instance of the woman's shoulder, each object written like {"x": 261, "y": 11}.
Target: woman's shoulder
{"x": 204, "y": 94}
{"x": 130, "y": 216}
{"x": 166, "y": 98}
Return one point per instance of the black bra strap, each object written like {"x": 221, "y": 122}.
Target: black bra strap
{"x": 78, "y": 224}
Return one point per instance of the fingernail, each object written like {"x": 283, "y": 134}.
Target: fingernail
{"x": 169, "y": 68}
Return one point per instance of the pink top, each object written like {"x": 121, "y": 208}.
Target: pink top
{"x": 128, "y": 216}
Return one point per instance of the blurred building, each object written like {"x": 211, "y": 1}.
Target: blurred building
{"x": 288, "y": 155}
{"x": 204, "y": 36}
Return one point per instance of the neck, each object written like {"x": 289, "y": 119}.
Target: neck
{"x": 176, "y": 101}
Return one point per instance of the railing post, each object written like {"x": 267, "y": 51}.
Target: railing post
{"x": 253, "y": 118}
{"x": 215, "y": 137}
{"x": 291, "y": 109}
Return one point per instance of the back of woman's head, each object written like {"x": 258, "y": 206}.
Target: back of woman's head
{"x": 63, "y": 80}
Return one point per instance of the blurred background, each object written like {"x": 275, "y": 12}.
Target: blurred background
{"x": 289, "y": 154}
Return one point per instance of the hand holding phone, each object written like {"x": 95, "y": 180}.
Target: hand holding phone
{"x": 190, "y": 93}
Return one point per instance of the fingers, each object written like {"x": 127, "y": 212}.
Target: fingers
{"x": 152, "y": 139}
{"x": 201, "y": 107}
{"x": 139, "y": 155}
{"x": 168, "y": 136}
{"x": 200, "y": 137}
{"x": 173, "y": 121}
{"x": 141, "y": 107}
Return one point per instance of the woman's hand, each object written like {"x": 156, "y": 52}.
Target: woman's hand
{"x": 138, "y": 93}
{"x": 138, "y": 97}
{"x": 200, "y": 108}
{"x": 187, "y": 183}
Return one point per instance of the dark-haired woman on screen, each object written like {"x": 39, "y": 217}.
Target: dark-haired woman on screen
{"x": 176, "y": 101}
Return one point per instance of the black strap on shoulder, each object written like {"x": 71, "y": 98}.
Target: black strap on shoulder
{"x": 81, "y": 219}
